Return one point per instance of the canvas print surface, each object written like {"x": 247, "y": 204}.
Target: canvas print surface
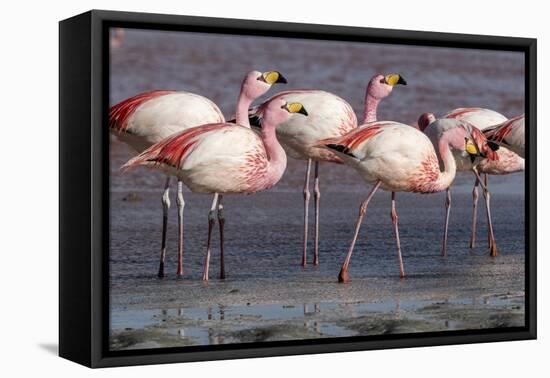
{"x": 330, "y": 170}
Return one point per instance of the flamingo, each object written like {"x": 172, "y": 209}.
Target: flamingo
{"x": 398, "y": 158}
{"x": 117, "y": 36}
{"x": 331, "y": 116}
{"x": 147, "y": 118}
{"x": 223, "y": 158}
{"x": 507, "y": 162}
{"x": 509, "y": 134}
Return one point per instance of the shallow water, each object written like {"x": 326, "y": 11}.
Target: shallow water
{"x": 267, "y": 295}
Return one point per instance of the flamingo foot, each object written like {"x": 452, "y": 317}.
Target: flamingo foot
{"x": 316, "y": 261}
{"x": 493, "y": 249}
{"x": 343, "y": 276}
{"x": 402, "y": 274}
{"x": 205, "y": 277}
{"x": 160, "y": 274}
{"x": 222, "y": 275}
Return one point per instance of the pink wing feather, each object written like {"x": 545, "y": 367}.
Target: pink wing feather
{"x": 500, "y": 132}
{"x": 346, "y": 143}
{"x": 173, "y": 150}
{"x": 119, "y": 113}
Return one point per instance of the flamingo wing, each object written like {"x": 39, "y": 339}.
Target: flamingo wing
{"x": 510, "y": 134}
{"x": 173, "y": 150}
{"x": 120, "y": 112}
{"x": 349, "y": 142}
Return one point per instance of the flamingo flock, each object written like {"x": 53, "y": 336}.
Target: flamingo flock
{"x": 185, "y": 135}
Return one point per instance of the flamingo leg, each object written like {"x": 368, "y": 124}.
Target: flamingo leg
{"x": 317, "y": 198}
{"x": 221, "y": 221}
{"x": 475, "y": 196}
{"x": 343, "y": 276}
{"x": 306, "y": 212}
{"x": 486, "y": 182}
{"x": 181, "y": 204}
{"x": 395, "y": 221}
{"x": 211, "y": 221}
{"x": 447, "y": 215}
{"x": 492, "y": 244}
{"x": 165, "y": 208}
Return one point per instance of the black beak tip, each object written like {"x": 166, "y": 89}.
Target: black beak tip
{"x": 401, "y": 80}
{"x": 304, "y": 111}
{"x": 281, "y": 79}
{"x": 493, "y": 146}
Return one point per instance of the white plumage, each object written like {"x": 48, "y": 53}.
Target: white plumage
{"x": 158, "y": 116}
{"x": 329, "y": 116}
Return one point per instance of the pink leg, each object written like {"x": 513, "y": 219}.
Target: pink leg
{"x": 221, "y": 221}
{"x": 447, "y": 215}
{"x": 211, "y": 221}
{"x": 492, "y": 244}
{"x": 395, "y": 221}
{"x": 181, "y": 204}
{"x": 165, "y": 208}
{"x": 343, "y": 276}
{"x": 475, "y": 196}
{"x": 489, "y": 240}
{"x": 317, "y": 198}
{"x": 306, "y": 212}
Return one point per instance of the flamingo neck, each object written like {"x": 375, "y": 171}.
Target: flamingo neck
{"x": 243, "y": 104}
{"x": 446, "y": 177}
{"x": 276, "y": 155}
{"x": 371, "y": 106}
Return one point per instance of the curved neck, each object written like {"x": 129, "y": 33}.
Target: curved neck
{"x": 275, "y": 153}
{"x": 243, "y": 104}
{"x": 371, "y": 105}
{"x": 446, "y": 177}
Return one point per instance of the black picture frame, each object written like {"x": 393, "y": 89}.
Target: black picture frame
{"x": 84, "y": 193}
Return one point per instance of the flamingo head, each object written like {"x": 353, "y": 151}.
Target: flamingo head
{"x": 256, "y": 83}
{"x": 481, "y": 143}
{"x": 471, "y": 141}
{"x": 380, "y": 86}
{"x": 279, "y": 111}
{"x": 424, "y": 120}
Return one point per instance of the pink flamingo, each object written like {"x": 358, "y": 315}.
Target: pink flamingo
{"x": 506, "y": 162}
{"x": 331, "y": 116}
{"x": 509, "y": 134}
{"x": 223, "y": 158}
{"x": 117, "y": 36}
{"x": 399, "y": 158}
{"x": 147, "y": 118}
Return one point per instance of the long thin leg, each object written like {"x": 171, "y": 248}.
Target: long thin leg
{"x": 486, "y": 182}
{"x": 487, "y": 195}
{"x": 181, "y": 204}
{"x": 221, "y": 221}
{"x": 165, "y": 208}
{"x": 211, "y": 221}
{"x": 395, "y": 221}
{"x": 317, "y": 198}
{"x": 447, "y": 215}
{"x": 343, "y": 276}
{"x": 306, "y": 212}
{"x": 475, "y": 197}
